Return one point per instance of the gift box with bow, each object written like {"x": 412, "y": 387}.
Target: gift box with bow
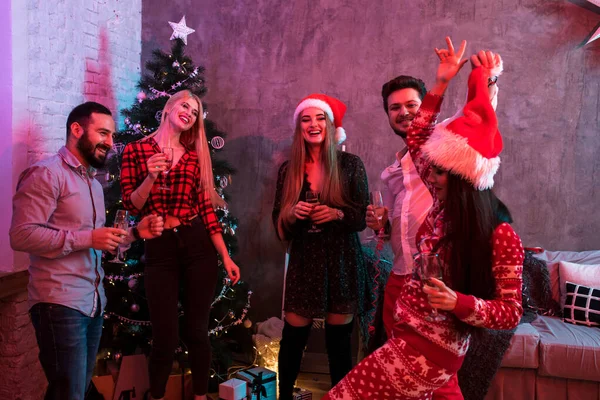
{"x": 262, "y": 383}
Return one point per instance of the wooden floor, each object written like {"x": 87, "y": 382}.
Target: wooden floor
{"x": 318, "y": 384}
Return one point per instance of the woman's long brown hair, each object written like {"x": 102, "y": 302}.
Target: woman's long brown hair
{"x": 332, "y": 193}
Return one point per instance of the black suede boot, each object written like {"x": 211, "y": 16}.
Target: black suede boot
{"x": 291, "y": 350}
{"x": 338, "y": 339}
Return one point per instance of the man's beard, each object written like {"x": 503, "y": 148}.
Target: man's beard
{"x": 402, "y": 134}
{"x": 88, "y": 151}
{"x": 400, "y": 120}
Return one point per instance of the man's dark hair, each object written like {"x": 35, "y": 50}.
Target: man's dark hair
{"x": 81, "y": 114}
{"x": 399, "y": 83}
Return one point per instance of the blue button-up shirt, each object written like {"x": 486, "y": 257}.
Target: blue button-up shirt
{"x": 57, "y": 205}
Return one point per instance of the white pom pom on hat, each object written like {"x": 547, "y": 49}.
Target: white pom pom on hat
{"x": 333, "y": 107}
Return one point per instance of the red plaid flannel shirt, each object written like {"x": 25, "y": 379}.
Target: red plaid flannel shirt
{"x": 182, "y": 201}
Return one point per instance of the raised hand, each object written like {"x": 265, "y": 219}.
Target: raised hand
{"x": 486, "y": 59}
{"x": 450, "y": 61}
{"x": 492, "y": 62}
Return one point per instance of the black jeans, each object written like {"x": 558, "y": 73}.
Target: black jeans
{"x": 183, "y": 255}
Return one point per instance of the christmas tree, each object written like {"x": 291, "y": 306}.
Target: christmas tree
{"x": 127, "y": 327}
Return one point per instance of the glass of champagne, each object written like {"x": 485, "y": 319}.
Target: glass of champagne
{"x": 377, "y": 203}
{"x": 122, "y": 222}
{"x": 312, "y": 197}
{"x": 168, "y": 152}
{"x": 429, "y": 266}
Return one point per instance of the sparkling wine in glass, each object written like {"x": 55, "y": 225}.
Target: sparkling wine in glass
{"x": 430, "y": 267}
{"x": 312, "y": 197}
{"x": 168, "y": 152}
{"x": 122, "y": 222}
{"x": 377, "y": 203}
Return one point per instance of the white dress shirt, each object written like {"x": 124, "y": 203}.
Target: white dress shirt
{"x": 408, "y": 201}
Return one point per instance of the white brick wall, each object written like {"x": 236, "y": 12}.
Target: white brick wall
{"x": 65, "y": 52}
{"x": 78, "y": 50}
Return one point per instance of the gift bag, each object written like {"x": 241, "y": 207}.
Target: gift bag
{"x": 262, "y": 383}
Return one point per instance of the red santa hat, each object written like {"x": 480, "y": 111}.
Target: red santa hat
{"x": 469, "y": 144}
{"x": 333, "y": 107}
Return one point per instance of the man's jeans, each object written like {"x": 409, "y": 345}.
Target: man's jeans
{"x": 68, "y": 342}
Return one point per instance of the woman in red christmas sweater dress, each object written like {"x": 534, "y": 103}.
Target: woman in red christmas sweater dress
{"x": 467, "y": 228}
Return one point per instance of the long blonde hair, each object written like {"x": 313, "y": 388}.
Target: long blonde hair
{"x": 196, "y": 136}
{"x": 332, "y": 192}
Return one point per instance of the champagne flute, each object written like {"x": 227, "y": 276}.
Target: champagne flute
{"x": 430, "y": 267}
{"x": 122, "y": 222}
{"x": 168, "y": 152}
{"x": 312, "y": 197}
{"x": 377, "y": 203}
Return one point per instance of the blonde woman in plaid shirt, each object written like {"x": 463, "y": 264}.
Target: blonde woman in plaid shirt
{"x": 191, "y": 239}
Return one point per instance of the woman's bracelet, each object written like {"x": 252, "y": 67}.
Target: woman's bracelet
{"x": 140, "y": 196}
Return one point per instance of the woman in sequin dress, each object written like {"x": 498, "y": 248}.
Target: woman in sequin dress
{"x": 326, "y": 272}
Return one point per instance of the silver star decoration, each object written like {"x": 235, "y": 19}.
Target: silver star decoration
{"x": 180, "y": 30}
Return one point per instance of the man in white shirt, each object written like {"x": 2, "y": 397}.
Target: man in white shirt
{"x": 406, "y": 201}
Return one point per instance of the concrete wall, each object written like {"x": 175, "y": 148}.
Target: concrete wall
{"x": 262, "y": 57}
{"x": 63, "y": 52}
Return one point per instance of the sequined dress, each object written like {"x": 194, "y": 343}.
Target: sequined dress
{"x": 326, "y": 272}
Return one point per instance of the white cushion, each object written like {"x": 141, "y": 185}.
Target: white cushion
{"x": 587, "y": 275}
{"x": 553, "y": 258}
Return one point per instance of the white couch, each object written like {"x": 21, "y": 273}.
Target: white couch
{"x": 550, "y": 359}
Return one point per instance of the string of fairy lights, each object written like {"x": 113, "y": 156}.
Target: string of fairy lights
{"x": 222, "y": 326}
